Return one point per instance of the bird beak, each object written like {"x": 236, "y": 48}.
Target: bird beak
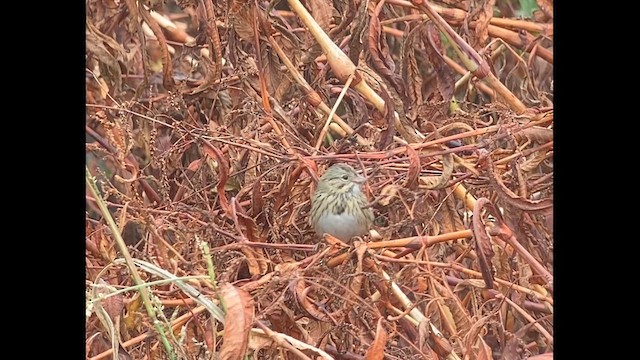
{"x": 359, "y": 179}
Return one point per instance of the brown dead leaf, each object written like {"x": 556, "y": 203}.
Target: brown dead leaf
{"x": 439, "y": 182}
{"x": 287, "y": 184}
{"x": 322, "y": 11}
{"x": 241, "y": 16}
{"x": 223, "y": 172}
{"x": 450, "y": 218}
{"x": 479, "y": 16}
{"x": 379, "y": 52}
{"x": 300, "y": 291}
{"x": 133, "y": 318}
{"x": 256, "y": 261}
{"x": 483, "y": 243}
{"x": 444, "y": 74}
{"x": 238, "y": 319}
{"x": 411, "y": 71}
{"x": 544, "y": 206}
{"x": 388, "y": 194}
{"x": 376, "y": 350}
{"x": 103, "y": 47}
{"x": 414, "y": 168}
{"x": 484, "y": 352}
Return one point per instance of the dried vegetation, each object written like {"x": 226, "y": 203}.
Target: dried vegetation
{"x": 208, "y": 124}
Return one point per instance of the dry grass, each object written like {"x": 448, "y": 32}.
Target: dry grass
{"x": 208, "y": 125}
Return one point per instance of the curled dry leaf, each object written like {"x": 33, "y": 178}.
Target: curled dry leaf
{"x": 544, "y": 206}
{"x": 414, "y": 168}
{"x": 439, "y": 182}
{"x": 238, "y": 319}
{"x": 300, "y": 291}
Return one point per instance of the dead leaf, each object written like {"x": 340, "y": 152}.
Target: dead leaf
{"x": 444, "y": 74}
{"x": 376, "y": 350}
{"x": 223, "y": 173}
{"x": 484, "y": 352}
{"x": 379, "y": 52}
{"x": 241, "y": 16}
{"x": 414, "y": 168}
{"x": 483, "y": 243}
{"x": 388, "y": 194}
{"x": 238, "y": 319}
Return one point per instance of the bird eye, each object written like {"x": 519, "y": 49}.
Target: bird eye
{"x": 345, "y": 177}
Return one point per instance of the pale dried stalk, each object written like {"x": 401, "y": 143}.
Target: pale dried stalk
{"x": 416, "y": 316}
{"x": 292, "y": 344}
{"x": 529, "y": 318}
{"x": 333, "y": 111}
{"x": 343, "y": 67}
{"x": 314, "y": 98}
